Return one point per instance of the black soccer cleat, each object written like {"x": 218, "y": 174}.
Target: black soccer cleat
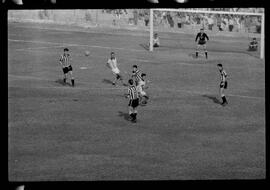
{"x": 113, "y": 83}
{"x": 224, "y": 103}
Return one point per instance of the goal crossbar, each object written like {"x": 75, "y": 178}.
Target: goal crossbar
{"x": 211, "y": 12}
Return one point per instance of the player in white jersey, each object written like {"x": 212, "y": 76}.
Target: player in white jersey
{"x": 140, "y": 88}
{"x": 223, "y": 84}
{"x": 112, "y": 64}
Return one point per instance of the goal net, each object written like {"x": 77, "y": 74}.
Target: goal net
{"x": 229, "y": 31}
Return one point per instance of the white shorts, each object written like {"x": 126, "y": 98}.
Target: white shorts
{"x": 116, "y": 71}
{"x": 140, "y": 89}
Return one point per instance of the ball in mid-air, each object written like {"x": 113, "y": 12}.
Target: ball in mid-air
{"x": 87, "y": 53}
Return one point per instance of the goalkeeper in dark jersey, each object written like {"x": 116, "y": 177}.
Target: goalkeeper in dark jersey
{"x": 203, "y": 38}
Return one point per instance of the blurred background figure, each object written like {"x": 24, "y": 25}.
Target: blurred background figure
{"x": 21, "y": 187}
{"x": 13, "y": 2}
{"x": 181, "y": 1}
{"x": 153, "y": 1}
{"x": 38, "y": 2}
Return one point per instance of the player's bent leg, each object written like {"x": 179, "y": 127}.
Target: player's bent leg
{"x": 72, "y": 78}
{"x": 224, "y": 100}
{"x": 205, "y": 51}
{"x": 65, "y": 78}
{"x": 197, "y": 50}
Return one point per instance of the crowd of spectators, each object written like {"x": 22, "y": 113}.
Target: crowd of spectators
{"x": 221, "y": 22}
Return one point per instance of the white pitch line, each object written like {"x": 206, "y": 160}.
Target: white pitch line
{"x": 79, "y": 45}
{"x": 124, "y": 88}
{"x": 39, "y": 48}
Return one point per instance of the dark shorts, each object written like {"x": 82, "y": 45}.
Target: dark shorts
{"x": 224, "y": 85}
{"x": 67, "y": 69}
{"x": 201, "y": 42}
{"x": 118, "y": 76}
{"x": 134, "y": 103}
{"x": 155, "y": 45}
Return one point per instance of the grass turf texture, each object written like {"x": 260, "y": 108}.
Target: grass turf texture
{"x": 60, "y": 133}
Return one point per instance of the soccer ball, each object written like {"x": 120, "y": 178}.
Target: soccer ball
{"x": 87, "y": 53}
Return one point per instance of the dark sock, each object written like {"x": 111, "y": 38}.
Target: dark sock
{"x": 65, "y": 80}
{"x": 135, "y": 115}
{"x": 223, "y": 99}
{"x": 196, "y": 54}
{"x": 206, "y": 55}
{"x": 146, "y": 97}
{"x": 72, "y": 82}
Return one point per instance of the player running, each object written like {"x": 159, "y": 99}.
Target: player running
{"x": 202, "y": 42}
{"x": 140, "y": 88}
{"x": 136, "y": 74}
{"x": 223, "y": 83}
{"x": 66, "y": 66}
{"x": 133, "y": 100}
{"x": 112, "y": 64}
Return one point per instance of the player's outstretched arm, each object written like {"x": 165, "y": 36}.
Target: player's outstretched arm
{"x": 196, "y": 37}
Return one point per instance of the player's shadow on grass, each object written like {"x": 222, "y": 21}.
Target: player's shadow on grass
{"x": 124, "y": 115}
{"x": 145, "y": 46}
{"x": 213, "y": 98}
{"x": 60, "y": 81}
{"x": 107, "y": 81}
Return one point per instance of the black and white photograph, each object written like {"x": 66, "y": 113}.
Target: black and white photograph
{"x": 136, "y": 94}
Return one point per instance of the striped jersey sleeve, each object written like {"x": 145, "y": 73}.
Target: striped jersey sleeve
{"x": 65, "y": 60}
{"x": 223, "y": 75}
{"x": 132, "y": 92}
{"x": 137, "y": 75}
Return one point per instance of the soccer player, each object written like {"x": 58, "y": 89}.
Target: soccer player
{"x": 112, "y": 64}
{"x": 253, "y": 45}
{"x": 136, "y": 74}
{"x": 223, "y": 84}
{"x": 66, "y": 65}
{"x": 156, "y": 40}
{"x": 202, "y": 42}
{"x": 140, "y": 88}
{"x": 133, "y": 100}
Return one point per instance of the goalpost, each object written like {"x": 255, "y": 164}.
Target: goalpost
{"x": 262, "y": 32}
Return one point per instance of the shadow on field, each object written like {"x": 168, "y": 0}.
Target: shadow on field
{"x": 213, "y": 98}
{"x": 124, "y": 115}
{"x": 145, "y": 46}
{"x": 107, "y": 81}
{"x": 60, "y": 81}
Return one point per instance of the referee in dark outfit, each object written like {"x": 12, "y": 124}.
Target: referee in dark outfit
{"x": 202, "y": 36}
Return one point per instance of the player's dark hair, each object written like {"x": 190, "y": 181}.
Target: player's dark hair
{"x": 135, "y": 66}
{"x": 112, "y": 52}
{"x": 254, "y": 38}
{"x": 220, "y": 65}
{"x": 66, "y": 49}
{"x": 130, "y": 81}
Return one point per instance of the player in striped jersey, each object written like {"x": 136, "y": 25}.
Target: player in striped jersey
{"x": 66, "y": 65}
{"x": 112, "y": 64}
{"x": 223, "y": 84}
{"x": 133, "y": 100}
{"x": 136, "y": 74}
